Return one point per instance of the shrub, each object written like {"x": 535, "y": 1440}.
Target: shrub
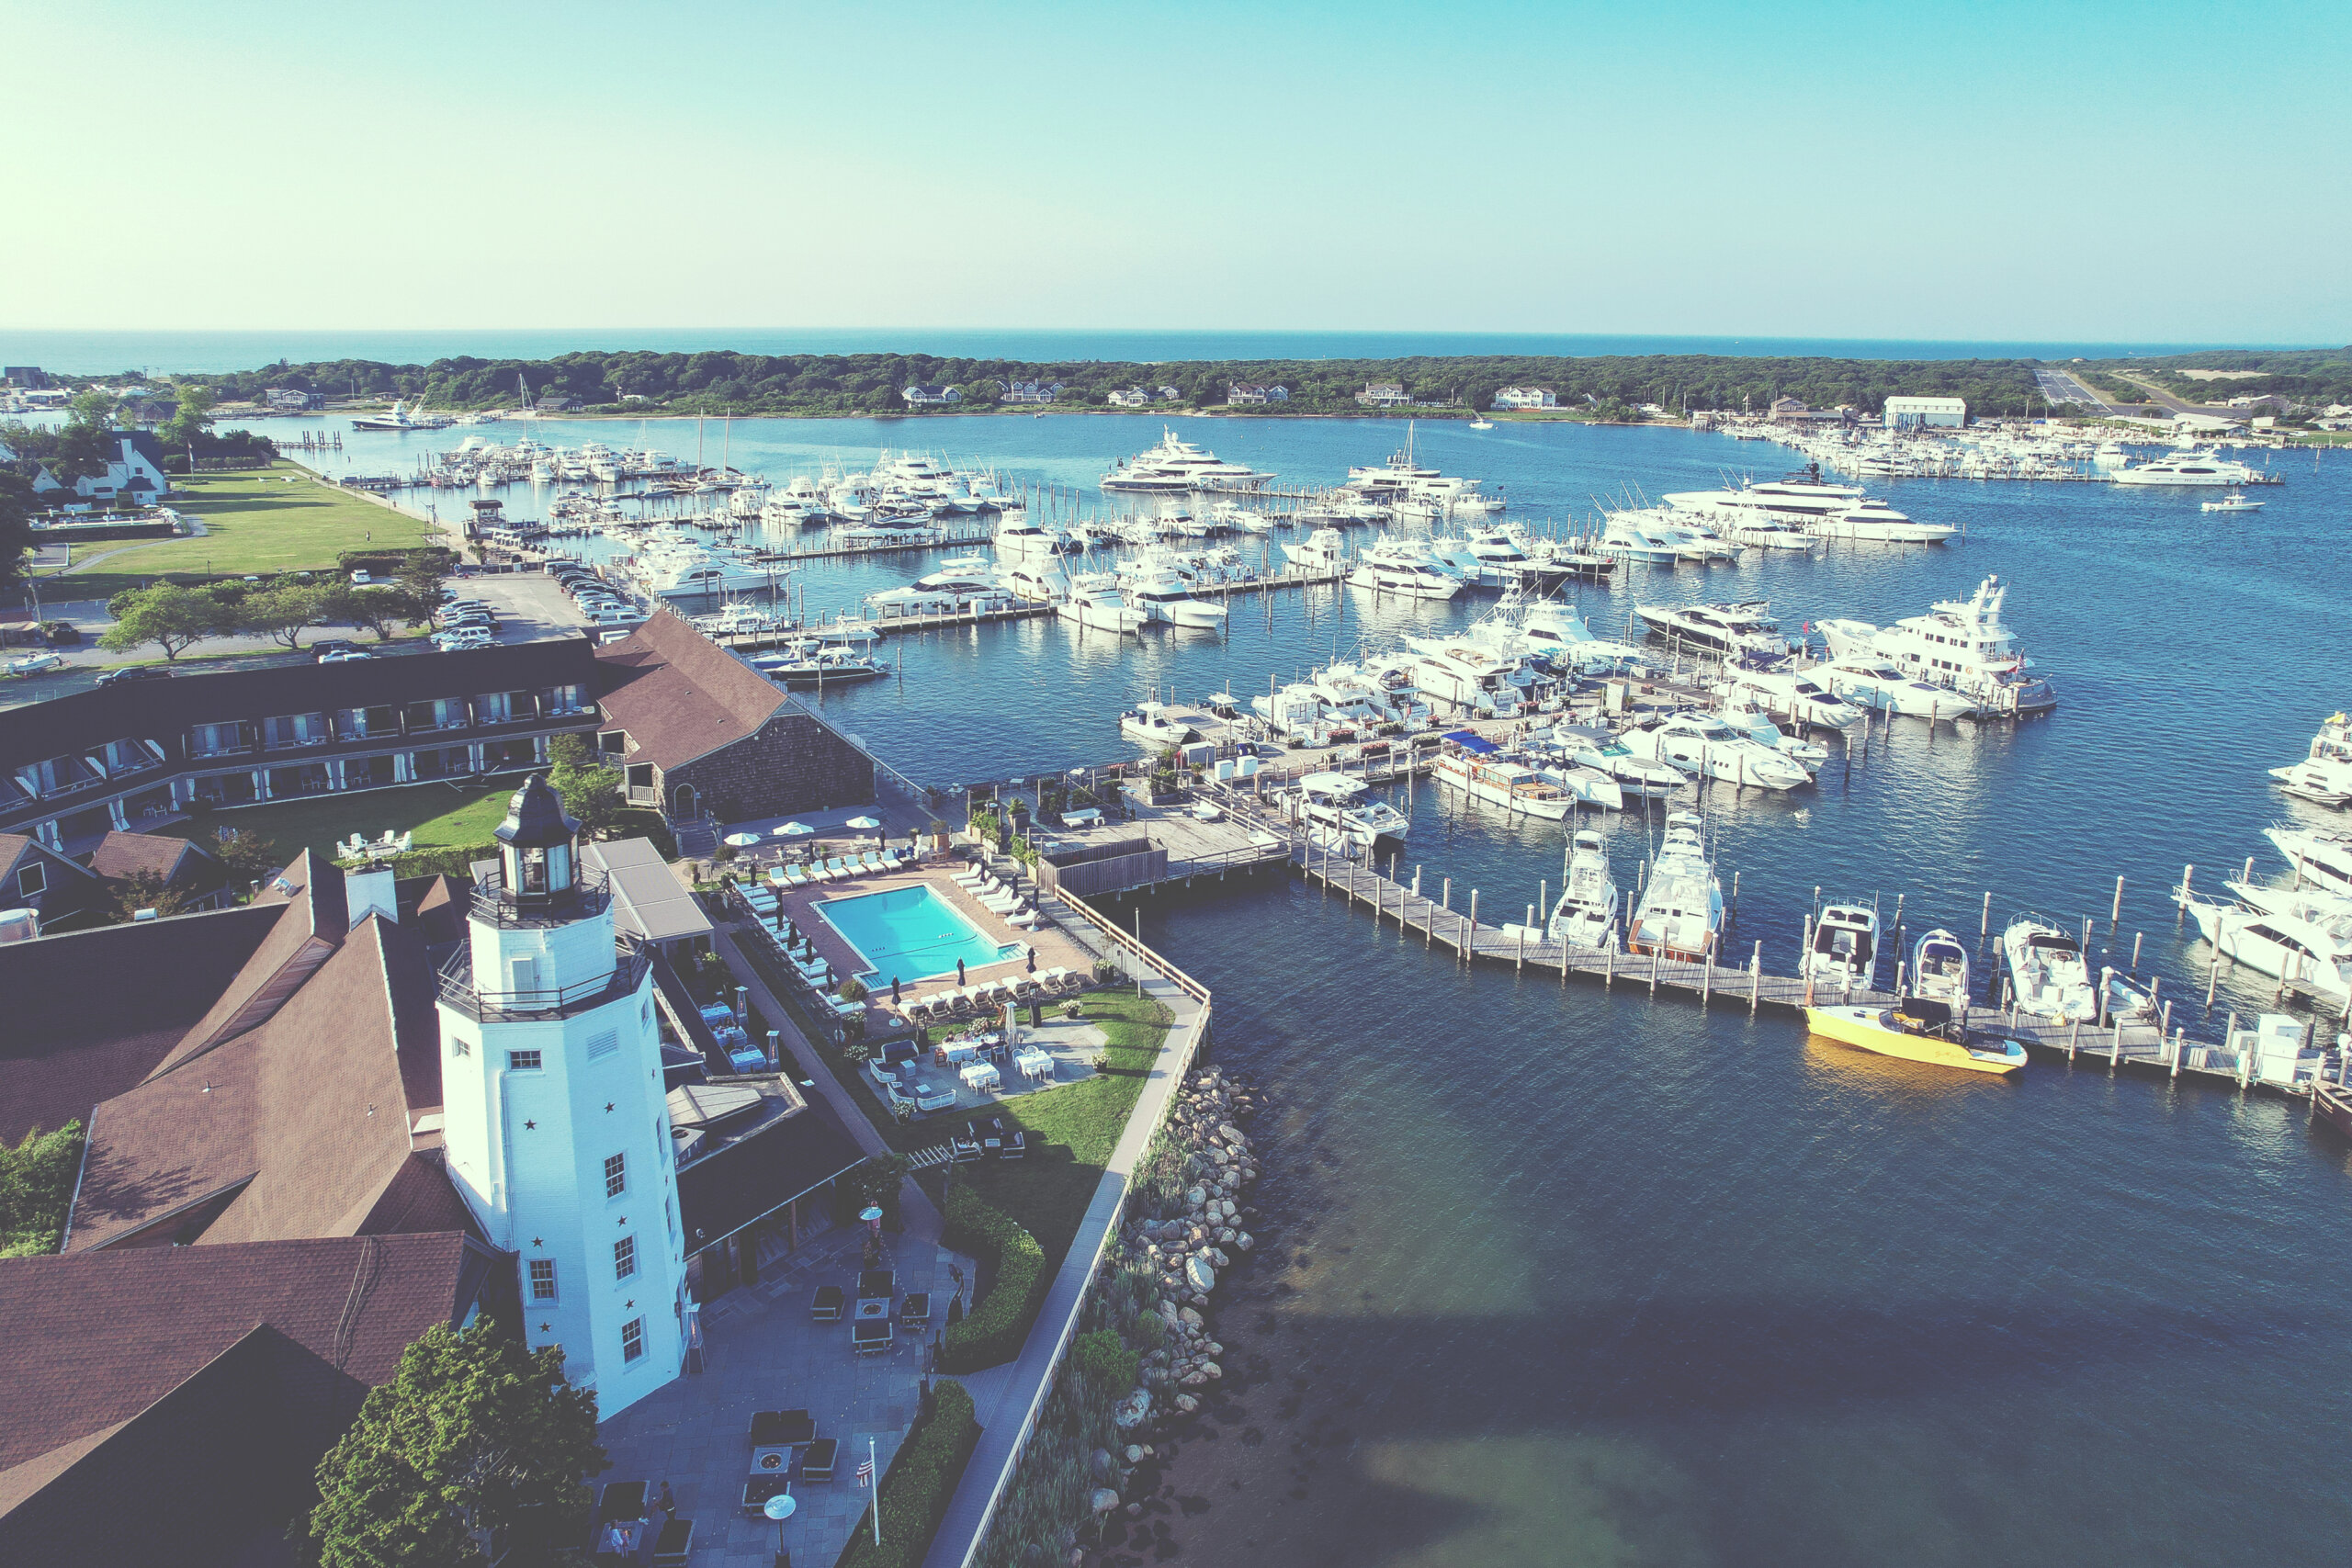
{"x": 1105, "y": 970}
{"x": 992, "y": 1335}
{"x": 852, "y": 990}
{"x": 918, "y": 1485}
{"x": 1106, "y": 1363}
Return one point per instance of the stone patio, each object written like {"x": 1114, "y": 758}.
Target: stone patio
{"x": 762, "y": 1351}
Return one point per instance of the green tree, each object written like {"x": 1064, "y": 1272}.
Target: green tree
{"x": 591, "y": 791}
{"x": 378, "y": 609}
{"x": 145, "y": 889}
{"x": 85, "y": 442}
{"x": 248, "y": 855}
{"x": 172, "y": 617}
{"x": 472, "y": 1432}
{"x": 283, "y": 611}
{"x": 36, "y": 1188}
{"x": 16, "y": 508}
{"x": 190, "y": 420}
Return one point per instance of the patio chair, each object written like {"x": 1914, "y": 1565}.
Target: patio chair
{"x": 892, "y": 860}
{"x": 1026, "y": 989}
{"x": 816, "y": 1462}
{"x": 796, "y": 876}
{"x": 971, "y": 875}
{"x": 1025, "y": 920}
{"x": 872, "y": 860}
{"x": 1053, "y": 979}
{"x": 826, "y": 1306}
{"x": 1003, "y": 904}
{"x": 914, "y": 1309}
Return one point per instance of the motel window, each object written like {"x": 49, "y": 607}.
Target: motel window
{"x": 521, "y": 1061}
{"x": 543, "y": 1279}
{"x": 633, "y": 1339}
{"x": 616, "y": 1176}
{"x": 625, "y": 1257}
{"x": 32, "y": 879}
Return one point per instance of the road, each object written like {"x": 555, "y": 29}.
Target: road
{"x": 2066, "y": 387}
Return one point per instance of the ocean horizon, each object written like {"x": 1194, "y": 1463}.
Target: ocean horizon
{"x": 94, "y": 353}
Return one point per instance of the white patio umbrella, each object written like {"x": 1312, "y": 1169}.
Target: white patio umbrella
{"x": 742, "y": 841}
{"x": 862, "y": 823}
{"x": 794, "y": 830}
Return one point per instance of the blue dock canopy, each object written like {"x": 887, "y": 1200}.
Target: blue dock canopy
{"x": 1470, "y": 741}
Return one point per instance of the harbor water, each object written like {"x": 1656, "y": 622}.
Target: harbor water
{"x": 1554, "y": 1274}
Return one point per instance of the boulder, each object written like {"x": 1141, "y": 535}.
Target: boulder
{"x": 1211, "y": 1370}
{"x": 1186, "y": 1403}
{"x": 1225, "y": 1237}
{"x": 1195, "y": 1379}
{"x": 1104, "y": 1500}
{"x": 1135, "y": 1453}
{"x": 1213, "y": 1349}
{"x": 1133, "y": 1411}
{"x": 1229, "y": 1133}
{"x": 1202, "y": 1276}
{"x": 1102, "y": 1466}
{"x": 1191, "y": 1318}
{"x": 1218, "y": 1259}
{"x": 1194, "y": 1197}
{"x": 1243, "y": 1240}
{"x": 1135, "y": 1510}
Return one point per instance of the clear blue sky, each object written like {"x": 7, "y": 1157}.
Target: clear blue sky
{"x": 2148, "y": 171}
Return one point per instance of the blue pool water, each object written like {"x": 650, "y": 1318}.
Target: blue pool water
{"x": 908, "y": 934}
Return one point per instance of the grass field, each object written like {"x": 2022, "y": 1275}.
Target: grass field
{"x": 440, "y": 816}
{"x": 255, "y": 521}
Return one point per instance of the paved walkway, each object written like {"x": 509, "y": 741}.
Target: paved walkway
{"x": 1005, "y": 1408}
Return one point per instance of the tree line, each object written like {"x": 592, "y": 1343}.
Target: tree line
{"x": 714, "y": 382}
{"x": 176, "y": 617}
{"x": 2319, "y": 378}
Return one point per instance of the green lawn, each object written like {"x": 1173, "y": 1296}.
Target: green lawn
{"x": 440, "y": 816}
{"x": 255, "y": 522}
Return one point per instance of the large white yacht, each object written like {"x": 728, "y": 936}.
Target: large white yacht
{"x": 1097, "y": 603}
{"x": 2202, "y": 468}
{"x": 1411, "y": 490}
{"x": 2323, "y": 860}
{"x": 1802, "y": 499}
{"x": 1743, "y": 628}
{"x": 2303, "y": 938}
{"x": 1800, "y": 696}
{"x": 1644, "y": 537}
{"x": 1706, "y": 747}
{"x": 1874, "y": 522}
{"x": 1680, "y": 914}
{"x": 1162, "y": 595}
{"x": 1864, "y": 681}
{"x": 1018, "y": 536}
{"x": 1646, "y": 778}
{"x": 2326, "y": 777}
{"x": 1324, "y": 550}
{"x": 1177, "y": 466}
{"x": 1406, "y": 567}
{"x": 1958, "y": 643}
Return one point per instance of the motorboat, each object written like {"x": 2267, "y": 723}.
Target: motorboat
{"x": 1917, "y": 1029}
{"x": 1482, "y": 558}
{"x": 1802, "y": 499}
{"x": 2324, "y": 777}
{"x": 1479, "y": 773}
{"x": 1939, "y": 969}
{"x": 1643, "y": 539}
{"x": 1018, "y": 536}
{"x": 2303, "y": 938}
{"x": 1642, "y": 776}
{"x": 1802, "y": 697}
{"x": 1588, "y": 786}
{"x": 2323, "y": 860}
{"x": 1874, "y": 522}
{"x": 1336, "y": 813}
{"x": 1324, "y": 550}
{"x": 1177, "y": 466}
{"x": 1958, "y": 643}
{"x": 1097, "y": 603}
{"x": 807, "y": 663}
{"x": 962, "y": 575}
{"x": 1411, "y": 490}
{"x": 1405, "y": 567}
{"x": 1680, "y": 914}
{"x": 1741, "y": 628}
{"x": 1706, "y": 747}
{"x": 1041, "y": 581}
{"x": 1745, "y": 718}
{"x": 2195, "y": 468}
{"x": 401, "y": 416}
{"x": 1163, "y": 596}
{"x": 1845, "y": 948}
{"x": 2049, "y": 977}
{"x": 1153, "y": 723}
{"x": 2236, "y": 501}
{"x": 1585, "y": 916}
{"x": 1873, "y": 684}
{"x": 885, "y": 534}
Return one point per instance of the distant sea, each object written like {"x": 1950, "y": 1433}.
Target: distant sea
{"x": 105, "y": 353}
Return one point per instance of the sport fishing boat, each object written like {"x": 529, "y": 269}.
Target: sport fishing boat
{"x": 1097, "y": 603}
{"x": 1939, "y": 969}
{"x": 1177, "y": 466}
{"x": 1681, "y": 910}
{"x": 2236, "y": 501}
{"x": 1336, "y": 814}
{"x": 1917, "y": 1029}
{"x": 2049, "y": 977}
{"x": 1151, "y": 724}
{"x": 1845, "y": 948}
{"x": 1586, "y": 915}
{"x": 1479, "y": 773}
{"x": 1162, "y": 595}
{"x": 1018, "y": 536}
{"x": 1745, "y": 718}
{"x": 1405, "y": 567}
{"x": 2323, "y": 860}
{"x": 1324, "y": 550}
{"x": 2303, "y": 938}
{"x": 1643, "y": 777}
{"x": 1643, "y": 539}
{"x": 2324, "y": 777}
{"x": 1877, "y": 685}
{"x": 1747, "y": 628}
{"x": 1958, "y": 643}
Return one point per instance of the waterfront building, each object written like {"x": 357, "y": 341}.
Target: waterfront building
{"x": 1526, "y": 398}
{"x": 1128, "y": 398}
{"x": 1033, "y": 391}
{"x": 923, "y": 396}
{"x": 1248, "y": 392}
{"x": 1903, "y": 413}
{"x": 136, "y": 470}
{"x": 292, "y": 400}
{"x": 1383, "y": 395}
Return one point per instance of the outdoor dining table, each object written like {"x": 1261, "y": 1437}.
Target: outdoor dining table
{"x": 953, "y": 1051}
{"x": 980, "y": 1075}
{"x": 1034, "y": 1063}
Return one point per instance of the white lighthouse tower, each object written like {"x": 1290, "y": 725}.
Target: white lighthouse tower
{"x": 556, "y": 1125}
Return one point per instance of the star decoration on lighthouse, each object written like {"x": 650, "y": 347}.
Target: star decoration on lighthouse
{"x": 543, "y": 1329}
{"x": 530, "y": 1126}
{"x": 629, "y": 1303}
{"x": 608, "y": 1105}
{"x": 536, "y": 1242}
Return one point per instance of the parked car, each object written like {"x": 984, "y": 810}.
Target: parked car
{"x": 362, "y": 578}
{"x": 134, "y": 672}
{"x": 345, "y": 656}
{"x": 333, "y": 644}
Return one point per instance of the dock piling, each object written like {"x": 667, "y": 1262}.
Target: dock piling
{"x": 1755, "y": 980}
{"x": 1984, "y": 920}
{"x": 2116, "y": 913}
{"x": 2135, "y": 951}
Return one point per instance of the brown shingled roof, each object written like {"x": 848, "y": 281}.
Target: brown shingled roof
{"x": 124, "y": 855}
{"x": 310, "y": 924}
{"x": 681, "y": 695}
{"x": 300, "y": 1124}
{"x": 98, "y": 1340}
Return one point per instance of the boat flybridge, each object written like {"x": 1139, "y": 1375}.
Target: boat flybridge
{"x": 1177, "y": 466}
{"x": 1845, "y": 948}
{"x": 1741, "y": 628}
{"x": 1586, "y": 915}
{"x": 1017, "y": 535}
{"x": 2324, "y": 777}
{"x": 1680, "y": 914}
{"x": 1958, "y": 643}
{"x": 1479, "y": 771}
{"x": 1336, "y": 814}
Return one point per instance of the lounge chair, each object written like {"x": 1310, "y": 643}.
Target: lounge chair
{"x": 843, "y": 866}
{"x": 1025, "y": 920}
{"x": 797, "y": 877}
{"x": 971, "y": 877}
{"x": 892, "y": 860}
{"x": 827, "y": 1305}
{"x": 816, "y": 1461}
{"x": 1026, "y": 989}
{"x": 1053, "y": 979}
{"x": 1001, "y": 903}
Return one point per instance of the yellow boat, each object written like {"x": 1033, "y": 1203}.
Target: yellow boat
{"x": 1916, "y": 1030}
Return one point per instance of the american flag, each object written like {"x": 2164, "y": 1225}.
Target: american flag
{"x": 864, "y": 1471}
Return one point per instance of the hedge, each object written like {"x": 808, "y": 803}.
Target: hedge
{"x": 993, "y": 1334}
{"x": 919, "y": 1484}
{"x": 448, "y": 861}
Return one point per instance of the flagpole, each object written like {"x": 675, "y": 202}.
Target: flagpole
{"x": 878, "y": 1490}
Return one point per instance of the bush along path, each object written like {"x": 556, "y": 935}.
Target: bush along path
{"x": 1145, "y": 1360}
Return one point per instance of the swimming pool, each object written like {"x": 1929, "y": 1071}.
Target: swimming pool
{"x": 910, "y": 932}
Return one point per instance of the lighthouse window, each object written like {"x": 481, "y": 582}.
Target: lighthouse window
{"x": 633, "y": 1339}
{"x": 625, "y": 1257}
{"x": 543, "y": 1279}
{"x": 616, "y": 1176}
{"x": 535, "y": 869}
{"x": 459, "y": 1046}
{"x": 521, "y": 1061}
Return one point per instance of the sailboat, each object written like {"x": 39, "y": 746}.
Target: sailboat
{"x": 1481, "y": 423}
